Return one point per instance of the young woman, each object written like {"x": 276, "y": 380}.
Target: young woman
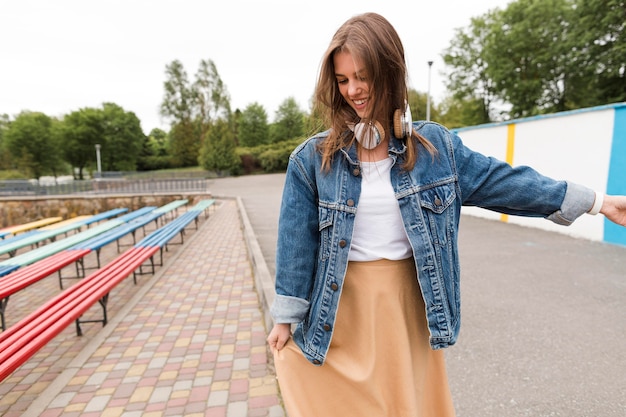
{"x": 367, "y": 266}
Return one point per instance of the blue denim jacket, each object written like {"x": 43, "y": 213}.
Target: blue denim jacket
{"x": 317, "y": 220}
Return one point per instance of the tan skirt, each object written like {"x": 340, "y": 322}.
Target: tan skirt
{"x": 380, "y": 362}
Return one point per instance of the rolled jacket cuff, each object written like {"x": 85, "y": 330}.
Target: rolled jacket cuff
{"x": 287, "y": 309}
{"x": 578, "y": 200}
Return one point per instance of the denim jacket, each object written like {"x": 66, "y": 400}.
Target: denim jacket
{"x": 317, "y": 220}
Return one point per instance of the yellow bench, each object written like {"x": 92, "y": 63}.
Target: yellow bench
{"x": 66, "y": 222}
{"x": 13, "y": 230}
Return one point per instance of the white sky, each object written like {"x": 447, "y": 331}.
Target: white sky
{"x": 59, "y": 56}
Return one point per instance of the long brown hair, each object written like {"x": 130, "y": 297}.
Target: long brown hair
{"x": 372, "y": 40}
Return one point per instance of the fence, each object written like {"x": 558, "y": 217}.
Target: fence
{"x": 105, "y": 185}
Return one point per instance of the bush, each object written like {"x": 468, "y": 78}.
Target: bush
{"x": 271, "y": 157}
{"x": 154, "y": 163}
{"x": 12, "y": 175}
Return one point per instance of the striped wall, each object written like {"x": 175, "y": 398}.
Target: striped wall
{"x": 586, "y": 146}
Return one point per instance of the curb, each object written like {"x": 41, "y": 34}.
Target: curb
{"x": 262, "y": 278}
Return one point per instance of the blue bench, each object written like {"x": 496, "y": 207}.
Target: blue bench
{"x": 42, "y": 235}
{"x": 104, "y": 216}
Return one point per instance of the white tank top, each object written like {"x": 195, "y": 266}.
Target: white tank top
{"x": 378, "y": 229}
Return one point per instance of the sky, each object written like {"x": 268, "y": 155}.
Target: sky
{"x": 60, "y": 56}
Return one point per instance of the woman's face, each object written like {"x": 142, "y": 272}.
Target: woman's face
{"x": 352, "y": 81}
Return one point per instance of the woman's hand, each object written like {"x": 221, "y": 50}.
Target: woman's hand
{"x": 279, "y": 336}
{"x": 614, "y": 208}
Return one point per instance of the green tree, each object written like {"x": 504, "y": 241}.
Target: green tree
{"x": 211, "y": 98}
{"x": 600, "y": 56}
{"x": 467, "y": 76}
{"x": 218, "y": 151}
{"x": 252, "y": 126}
{"x": 157, "y": 140}
{"x": 418, "y": 103}
{"x": 122, "y": 139}
{"x": 81, "y": 130}
{"x": 192, "y": 108}
{"x": 183, "y": 144}
{"x": 154, "y": 152}
{"x": 289, "y": 121}
{"x": 529, "y": 55}
{"x": 459, "y": 113}
{"x": 29, "y": 140}
{"x": 5, "y": 155}
{"x": 178, "y": 107}
{"x": 177, "y": 104}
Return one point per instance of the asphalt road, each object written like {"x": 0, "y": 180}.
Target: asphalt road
{"x": 544, "y": 314}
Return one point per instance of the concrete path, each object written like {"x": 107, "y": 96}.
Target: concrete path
{"x": 544, "y": 327}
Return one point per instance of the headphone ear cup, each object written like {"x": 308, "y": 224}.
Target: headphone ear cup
{"x": 398, "y": 130}
{"x": 369, "y": 135}
{"x": 402, "y": 123}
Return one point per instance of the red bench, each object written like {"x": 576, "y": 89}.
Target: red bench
{"x": 22, "y": 340}
{"x": 30, "y": 274}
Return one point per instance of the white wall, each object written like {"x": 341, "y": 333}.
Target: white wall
{"x": 573, "y": 146}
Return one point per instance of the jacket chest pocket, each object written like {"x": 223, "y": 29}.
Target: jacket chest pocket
{"x": 326, "y": 221}
{"x": 435, "y": 203}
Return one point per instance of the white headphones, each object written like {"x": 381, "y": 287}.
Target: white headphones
{"x": 371, "y": 134}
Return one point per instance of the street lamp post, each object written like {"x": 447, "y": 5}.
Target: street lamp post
{"x": 430, "y": 65}
{"x": 98, "y": 160}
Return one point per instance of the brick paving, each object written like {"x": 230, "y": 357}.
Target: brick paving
{"x": 188, "y": 341}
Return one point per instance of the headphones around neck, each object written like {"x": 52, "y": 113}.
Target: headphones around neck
{"x": 371, "y": 134}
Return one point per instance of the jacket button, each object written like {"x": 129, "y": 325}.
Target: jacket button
{"x": 350, "y": 202}
{"x": 437, "y": 201}
{"x": 327, "y": 327}
{"x": 334, "y": 286}
{"x": 316, "y": 361}
{"x": 356, "y": 172}
{"x": 342, "y": 243}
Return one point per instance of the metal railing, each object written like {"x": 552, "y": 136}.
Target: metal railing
{"x": 107, "y": 185}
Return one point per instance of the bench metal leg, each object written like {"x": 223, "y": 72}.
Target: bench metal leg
{"x": 103, "y": 302}
{"x": 80, "y": 272}
{"x": 3, "y": 307}
{"x": 139, "y": 271}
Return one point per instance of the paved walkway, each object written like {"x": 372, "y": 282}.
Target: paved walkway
{"x": 543, "y": 334}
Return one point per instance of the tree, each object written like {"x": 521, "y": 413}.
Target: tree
{"x": 192, "y": 109}
{"x": 600, "y": 30}
{"x": 468, "y": 79}
{"x": 183, "y": 144}
{"x": 29, "y": 140}
{"x": 122, "y": 139}
{"x": 418, "y": 103}
{"x": 211, "y": 99}
{"x": 529, "y": 56}
{"x": 5, "y": 156}
{"x": 252, "y": 126}
{"x": 460, "y": 113}
{"x": 81, "y": 130}
{"x": 154, "y": 152}
{"x": 218, "y": 151}
{"x": 178, "y": 107}
{"x": 157, "y": 140}
{"x": 289, "y": 121}
{"x": 177, "y": 104}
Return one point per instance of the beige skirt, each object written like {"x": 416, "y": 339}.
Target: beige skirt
{"x": 380, "y": 362}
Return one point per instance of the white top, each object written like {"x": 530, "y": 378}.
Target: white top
{"x": 378, "y": 229}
